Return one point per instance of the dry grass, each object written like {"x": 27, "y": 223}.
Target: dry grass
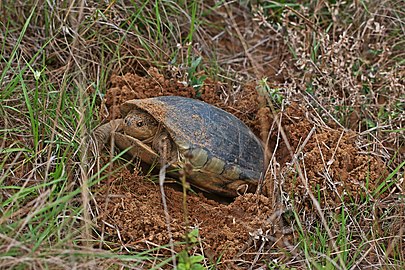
{"x": 344, "y": 61}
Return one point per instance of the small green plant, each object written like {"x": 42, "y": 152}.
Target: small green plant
{"x": 193, "y": 262}
{"x": 272, "y": 93}
{"x": 187, "y": 262}
{"x": 196, "y": 81}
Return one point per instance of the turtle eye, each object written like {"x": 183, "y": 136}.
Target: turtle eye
{"x": 139, "y": 123}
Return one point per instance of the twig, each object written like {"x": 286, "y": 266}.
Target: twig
{"x": 162, "y": 176}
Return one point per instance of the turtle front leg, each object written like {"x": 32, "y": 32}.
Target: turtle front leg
{"x": 164, "y": 145}
{"x": 102, "y": 134}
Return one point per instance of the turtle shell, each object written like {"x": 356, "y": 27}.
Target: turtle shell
{"x": 215, "y": 142}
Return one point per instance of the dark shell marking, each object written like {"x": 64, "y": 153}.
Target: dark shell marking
{"x": 214, "y": 141}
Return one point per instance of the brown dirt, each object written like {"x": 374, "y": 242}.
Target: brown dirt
{"x": 331, "y": 159}
{"x": 130, "y": 207}
{"x": 133, "y": 207}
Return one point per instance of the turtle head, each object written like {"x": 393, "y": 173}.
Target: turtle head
{"x": 140, "y": 125}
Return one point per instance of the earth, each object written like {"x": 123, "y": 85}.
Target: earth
{"x": 311, "y": 158}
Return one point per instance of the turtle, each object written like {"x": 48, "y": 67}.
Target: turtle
{"x": 223, "y": 155}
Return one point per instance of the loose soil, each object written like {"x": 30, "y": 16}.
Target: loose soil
{"x": 336, "y": 171}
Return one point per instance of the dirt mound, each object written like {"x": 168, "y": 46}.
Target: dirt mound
{"x": 130, "y": 206}
{"x": 133, "y": 209}
{"x": 334, "y": 167}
